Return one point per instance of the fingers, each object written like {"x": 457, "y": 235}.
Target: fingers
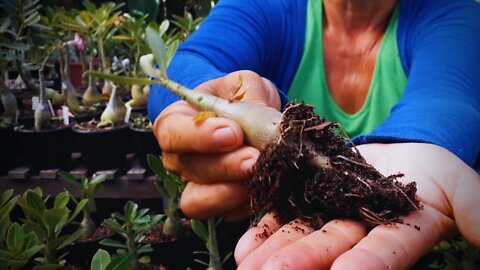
{"x": 285, "y": 235}
{"x": 465, "y": 201}
{"x": 316, "y": 250}
{"x": 201, "y": 201}
{"x": 208, "y": 168}
{"x": 176, "y": 131}
{"x": 255, "y": 236}
{"x": 256, "y": 89}
{"x": 399, "y": 246}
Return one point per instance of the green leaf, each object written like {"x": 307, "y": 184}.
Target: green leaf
{"x": 158, "y": 48}
{"x": 4, "y": 24}
{"x": 98, "y": 180}
{"x": 113, "y": 243}
{"x": 100, "y": 260}
{"x": 144, "y": 260}
{"x": 78, "y": 209}
{"x": 35, "y": 202}
{"x": 4, "y": 225}
{"x": 27, "y": 254}
{"x": 15, "y": 238}
{"x": 156, "y": 165}
{"x": 113, "y": 224}
{"x": 62, "y": 200}
{"x": 200, "y": 230}
{"x": 6, "y": 195}
{"x": 121, "y": 79}
{"x": 131, "y": 211}
{"x": 31, "y": 238}
{"x": 145, "y": 249}
{"x": 73, "y": 237}
{"x": 53, "y": 217}
{"x": 119, "y": 263}
{"x": 37, "y": 228}
{"x": 70, "y": 179}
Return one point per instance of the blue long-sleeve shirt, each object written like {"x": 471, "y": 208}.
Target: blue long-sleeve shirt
{"x": 439, "y": 45}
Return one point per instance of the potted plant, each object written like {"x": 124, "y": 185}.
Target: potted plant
{"x": 131, "y": 36}
{"x": 144, "y": 139}
{"x": 103, "y": 144}
{"x": 50, "y": 224}
{"x": 132, "y": 226}
{"x": 82, "y": 251}
{"x": 45, "y": 144}
{"x": 18, "y": 244}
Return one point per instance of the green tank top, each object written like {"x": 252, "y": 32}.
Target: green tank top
{"x": 310, "y": 84}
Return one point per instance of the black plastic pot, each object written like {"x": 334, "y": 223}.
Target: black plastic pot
{"x": 178, "y": 253}
{"x": 46, "y": 149}
{"x": 145, "y": 143}
{"x": 103, "y": 149}
{"x": 8, "y": 149}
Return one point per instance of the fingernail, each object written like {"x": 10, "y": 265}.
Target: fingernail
{"x": 247, "y": 164}
{"x": 225, "y": 136}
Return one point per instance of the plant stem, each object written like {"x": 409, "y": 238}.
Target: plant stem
{"x": 132, "y": 249}
{"x": 215, "y": 261}
{"x": 26, "y": 78}
{"x": 101, "y": 52}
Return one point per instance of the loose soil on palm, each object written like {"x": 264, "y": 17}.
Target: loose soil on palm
{"x": 285, "y": 182}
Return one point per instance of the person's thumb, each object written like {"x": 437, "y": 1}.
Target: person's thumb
{"x": 465, "y": 201}
{"x": 244, "y": 85}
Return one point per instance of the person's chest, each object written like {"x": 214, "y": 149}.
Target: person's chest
{"x": 349, "y": 68}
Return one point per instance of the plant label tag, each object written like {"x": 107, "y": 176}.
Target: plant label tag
{"x": 127, "y": 114}
{"x": 65, "y": 114}
{"x": 35, "y": 102}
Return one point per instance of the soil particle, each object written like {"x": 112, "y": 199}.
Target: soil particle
{"x": 284, "y": 180}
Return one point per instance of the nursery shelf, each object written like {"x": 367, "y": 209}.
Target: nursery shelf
{"x": 132, "y": 182}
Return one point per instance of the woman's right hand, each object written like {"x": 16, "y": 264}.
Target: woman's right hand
{"x": 210, "y": 155}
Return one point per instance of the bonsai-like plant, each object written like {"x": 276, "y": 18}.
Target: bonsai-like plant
{"x": 7, "y": 98}
{"x": 18, "y": 247}
{"x": 48, "y": 224}
{"x": 18, "y": 244}
{"x": 170, "y": 189}
{"x": 132, "y": 226}
{"x": 132, "y": 38}
{"x": 101, "y": 21}
{"x": 88, "y": 189}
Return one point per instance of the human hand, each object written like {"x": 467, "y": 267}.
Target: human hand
{"x": 447, "y": 188}
{"x": 210, "y": 156}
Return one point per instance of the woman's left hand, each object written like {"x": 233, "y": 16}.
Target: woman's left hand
{"x": 447, "y": 188}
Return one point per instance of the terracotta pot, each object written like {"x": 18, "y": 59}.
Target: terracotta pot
{"x": 46, "y": 149}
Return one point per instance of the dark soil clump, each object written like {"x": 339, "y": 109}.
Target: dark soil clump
{"x": 285, "y": 182}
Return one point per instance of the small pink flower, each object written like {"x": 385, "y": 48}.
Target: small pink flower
{"x": 77, "y": 42}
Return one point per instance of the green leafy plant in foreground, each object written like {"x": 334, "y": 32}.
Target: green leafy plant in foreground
{"x": 170, "y": 187}
{"x": 88, "y": 189}
{"x": 18, "y": 244}
{"x": 103, "y": 261}
{"x": 48, "y": 225}
{"x": 455, "y": 254}
{"x": 132, "y": 226}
